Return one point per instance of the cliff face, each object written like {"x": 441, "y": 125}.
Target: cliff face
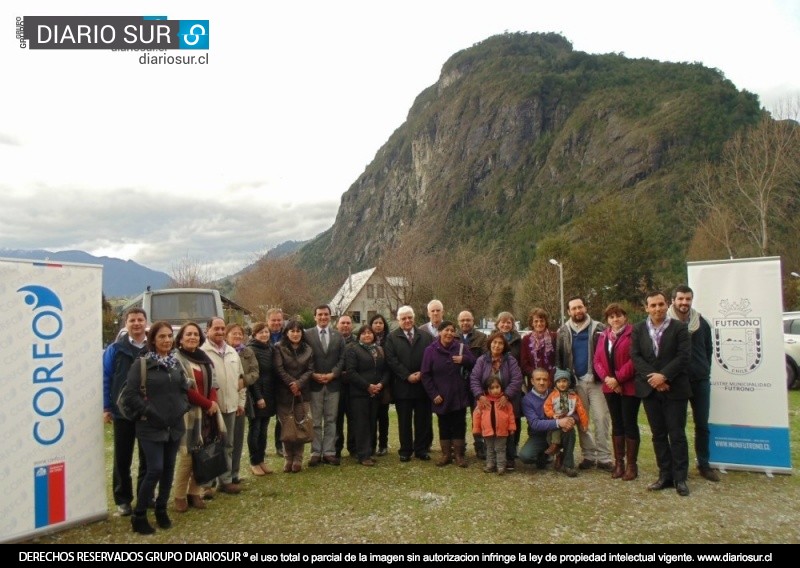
{"x": 519, "y": 136}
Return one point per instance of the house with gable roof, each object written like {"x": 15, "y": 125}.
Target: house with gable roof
{"x": 366, "y": 293}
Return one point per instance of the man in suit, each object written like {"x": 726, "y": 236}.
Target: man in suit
{"x": 328, "y": 348}
{"x": 660, "y": 350}
{"x": 436, "y": 316}
{"x": 404, "y": 349}
{"x": 344, "y": 325}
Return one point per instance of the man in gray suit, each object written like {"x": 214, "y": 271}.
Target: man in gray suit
{"x": 328, "y": 348}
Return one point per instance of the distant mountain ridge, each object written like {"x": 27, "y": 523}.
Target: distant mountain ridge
{"x": 121, "y": 278}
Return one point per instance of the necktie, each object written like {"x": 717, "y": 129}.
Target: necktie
{"x": 323, "y": 337}
{"x": 410, "y": 336}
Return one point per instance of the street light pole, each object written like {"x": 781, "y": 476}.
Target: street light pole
{"x": 554, "y": 262}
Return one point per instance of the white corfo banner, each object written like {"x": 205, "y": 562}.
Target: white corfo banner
{"x": 749, "y": 421}
{"x": 52, "y": 466}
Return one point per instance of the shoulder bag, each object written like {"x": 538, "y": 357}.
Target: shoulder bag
{"x": 208, "y": 457}
{"x": 124, "y": 409}
{"x": 298, "y": 426}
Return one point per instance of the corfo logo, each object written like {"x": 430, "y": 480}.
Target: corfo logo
{"x": 737, "y": 337}
{"x": 111, "y": 32}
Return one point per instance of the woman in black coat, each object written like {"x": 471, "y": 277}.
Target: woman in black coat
{"x": 158, "y": 412}
{"x": 368, "y": 375}
{"x": 261, "y": 400}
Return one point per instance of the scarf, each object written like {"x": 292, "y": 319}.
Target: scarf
{"x": 541, "y": 348}
{"x": 168, "y": 362}
{"x": 371, "y": 348}
{"x": 577, "y": 328}
{"x": 694, "y": 318}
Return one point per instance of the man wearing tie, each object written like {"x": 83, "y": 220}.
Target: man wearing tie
{"x": 328, "y": 348}
{"x": 404, "y": 349}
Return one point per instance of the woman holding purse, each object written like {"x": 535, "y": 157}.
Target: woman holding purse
{"x": 294, "y": 363}
{"x": 203, "y": 397}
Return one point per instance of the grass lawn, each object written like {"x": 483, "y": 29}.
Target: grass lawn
{"x": 417, "y": 502}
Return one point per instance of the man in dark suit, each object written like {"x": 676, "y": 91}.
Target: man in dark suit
{"x": 328, "y": 348}
{"x": 404, "y": 349}
{"x": 660, "y": 350}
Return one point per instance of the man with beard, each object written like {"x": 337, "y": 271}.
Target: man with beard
{"x": 699, "y": 373}
{"x": 575, "y": 345}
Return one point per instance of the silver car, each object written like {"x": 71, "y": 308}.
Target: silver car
{"x": 791, "y": 345}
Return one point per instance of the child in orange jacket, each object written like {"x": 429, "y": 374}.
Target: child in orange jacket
{"x": 495, "y": 424}
{"x": 564, "y": 402}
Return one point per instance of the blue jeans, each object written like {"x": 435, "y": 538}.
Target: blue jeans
{"x": 160, "y": 458}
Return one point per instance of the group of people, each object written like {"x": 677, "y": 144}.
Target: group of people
{"x": 582, "y": 383}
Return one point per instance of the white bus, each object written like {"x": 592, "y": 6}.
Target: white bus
{"x": 179, "y": 305}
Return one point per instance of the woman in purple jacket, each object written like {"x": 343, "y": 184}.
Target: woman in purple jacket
{"x": 614, "y": 367}
{"x": 442, "y": 380}
{"x": 501, "y": 362}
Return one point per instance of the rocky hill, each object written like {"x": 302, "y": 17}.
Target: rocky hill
{"x": 520, "y": 137}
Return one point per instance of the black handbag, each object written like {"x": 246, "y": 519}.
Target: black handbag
{"x": 127, "y": 412}
{"x": 298, "y": 426}
{"x": 208, "y": 457}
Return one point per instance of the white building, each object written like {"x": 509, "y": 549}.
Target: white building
{"x": 367, "y": 293}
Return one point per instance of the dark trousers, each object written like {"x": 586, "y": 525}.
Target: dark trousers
{"x": 257, "y": 439}
{"x": 363, "y": 410}
{"x": 414, "y": 421}
{"x": 344, "y": 418}
{"x": 382, "y": 425}
{"x": 667, "y": 419}
{"x": 278, "y": 443}
{"x": 453, "y": 424}
{"x": 124, "y": 441}
{"x": 160, "y": 458}
{"x": 533, "y": 450}
{"x": 624, "y": 412}
{"x": 701, "y": 403}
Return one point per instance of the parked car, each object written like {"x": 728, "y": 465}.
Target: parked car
{"x": 791, "y": 345}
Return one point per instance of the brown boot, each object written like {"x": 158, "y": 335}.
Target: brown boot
{"x": 197, "y": 502}
{"x": 447, "y": 456}
{"x": 619, "y": 457}
{"x": 552, "y": 449}
{"x": 459, "y": 447}
{"x": 181, "y": 505}
{"x": 631, "y": 454}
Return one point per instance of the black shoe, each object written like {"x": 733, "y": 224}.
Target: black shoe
{"x": 405, "y": 458}
{"x": 682, "y": 488}
{"x": 382, "y": 452}
{"x": 511, "y": 465}
{"x": 236, "y": 481}
{"x": 586, "y": 464}
{"x": 124, "y": 510}
{"x": 662, "y": 483}
{"x": 141, "y": 525}
{"x": 162, "y": 519}
{"x": 424, "y": 457}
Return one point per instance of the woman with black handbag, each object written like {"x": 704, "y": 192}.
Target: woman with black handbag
{"x": 203, "y": 396}
{"x": 159, "y": 400}
{"x": 294, "y": 364}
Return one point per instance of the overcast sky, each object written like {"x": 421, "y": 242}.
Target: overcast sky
{"x": 221, "y": 162}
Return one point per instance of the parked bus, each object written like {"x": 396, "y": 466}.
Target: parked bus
{"x": 179, "y": 305}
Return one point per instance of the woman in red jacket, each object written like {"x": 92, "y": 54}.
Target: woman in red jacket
{"x": 614, "y": 367}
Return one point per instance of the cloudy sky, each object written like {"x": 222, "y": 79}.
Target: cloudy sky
{"x": 221, "y": 162}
